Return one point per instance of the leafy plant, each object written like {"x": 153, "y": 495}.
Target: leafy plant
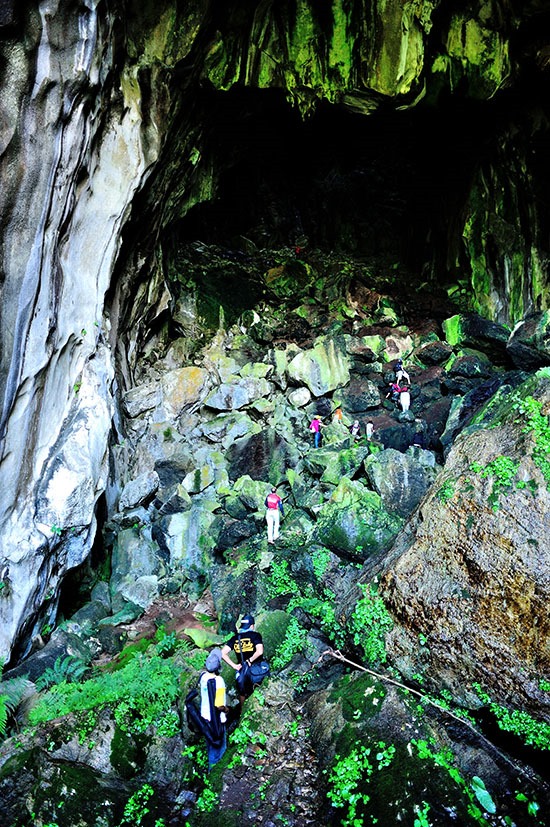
{"x": 538, "y": 423}
{"x": 136, "y": 808}
{"x": 421, "y": 819}
{"x": 446, "y": 492}
{"x": 482, "y": 795}
{"x": 11, "y": 695}
{"x": 532, "y": 732}
{"x": 68, "y": 668}
{"x": 345, "y": 779}
{"x": 369, "y": 624}
{"x": 501, "y": 470}
{"x": 292, "y": 643}
{"x": 141, "y": 694}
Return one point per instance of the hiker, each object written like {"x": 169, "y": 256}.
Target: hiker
{"x": 402, "y": 374}
{"x": 274, "y": 507}
{"x": 355, "y": 429}
{"x": 214, "y": 707}
{"x": 248, "y": 646}
{"x": 369, "y": 430}
{"x": 394, "y": 392}
{"x": 405, "y": 399}
{"x": 316, "y": 426}
{"x": 337, "y": 416}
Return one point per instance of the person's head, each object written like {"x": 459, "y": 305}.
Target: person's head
{"x": 246, "y": 623}
{"x": 273, "y": 489}
{"x": 213, "y": 661}
{"x": 356, "y": 422}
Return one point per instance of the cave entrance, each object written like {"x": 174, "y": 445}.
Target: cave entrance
{"x": 388, "y": 186}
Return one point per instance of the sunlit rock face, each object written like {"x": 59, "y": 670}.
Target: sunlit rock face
{"x": 109, "y": 137}
{"x": 473, "y": 587}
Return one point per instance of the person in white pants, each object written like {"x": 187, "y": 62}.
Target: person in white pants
{"x": 274, "y": 506}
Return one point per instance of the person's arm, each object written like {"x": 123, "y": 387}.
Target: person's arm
{"x": 225, "y": 657}
{"x": 258, "y": 654}
{"x": 281, "y": 508}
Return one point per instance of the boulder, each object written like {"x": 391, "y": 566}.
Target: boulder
{"x": 359, "y": 395}
{"x": 529, "y": 343}
{"x": 182, "y": 388}
{"x": 231, "y": 397}
{"x": 139, "y": 491}
{"x": 433, "y": 353}
{"x": 472, "y": 330}
{"x": 402, "y": 480}
{"x": 323, "y": 368}
{"x": 355, "y": 524}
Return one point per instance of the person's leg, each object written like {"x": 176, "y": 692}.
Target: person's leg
{"x": 317, "y": 438}
{"x": 275, "y": 524}
{"x": 270, "y": 514}
{"x": 215, "y": 753}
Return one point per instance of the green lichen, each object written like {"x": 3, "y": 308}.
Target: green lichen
{"x": 452, "y": 329}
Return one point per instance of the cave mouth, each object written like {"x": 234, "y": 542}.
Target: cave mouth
{"x": 389, "y": 187}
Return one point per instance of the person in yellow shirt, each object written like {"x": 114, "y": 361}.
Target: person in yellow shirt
{"x": 214, "y": 707}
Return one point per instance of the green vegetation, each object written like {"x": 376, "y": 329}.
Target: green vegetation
{"x": 537, "y": 423}
{"x": 444, "y": 759}
{"x": 447, "y": 491}
{"x": 136, "y": 809}
{"x": 349, "y": 773}
{"x": 69, "y": 669}
{"x": 292, "y": 643}
{"x": 11, "y": 695}
{"x": 141, "y": 694}
{"x": 501, "y": 471}
{"x": 533, "y": 733}
{"x": 370, "y": 623}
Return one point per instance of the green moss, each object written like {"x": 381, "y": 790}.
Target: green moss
{"x": 360, "y": 697}
{"x": 452, "y": 329}
{"x": 127, "y": 756}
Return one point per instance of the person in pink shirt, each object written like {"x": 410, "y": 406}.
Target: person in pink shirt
{"x": 316, "y": 426}
{"x": 274, "y": 508}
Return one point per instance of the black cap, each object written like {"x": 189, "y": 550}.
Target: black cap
{"x": 246, "y": 623}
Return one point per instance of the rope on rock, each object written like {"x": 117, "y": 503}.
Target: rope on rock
{"x": 337, "y": 655}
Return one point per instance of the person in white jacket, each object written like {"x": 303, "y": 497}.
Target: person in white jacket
{"x": 405, "y": 399}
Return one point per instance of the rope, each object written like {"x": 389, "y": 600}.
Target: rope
{"x": 337, "y": 655}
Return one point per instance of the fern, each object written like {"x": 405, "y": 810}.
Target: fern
{"x": 69, "y": 669}
{"x": 11, "y": 695}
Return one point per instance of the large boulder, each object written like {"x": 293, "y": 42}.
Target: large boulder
{"x": 472, "y": 330}
{"x": 529, "y": 344}
{"x": 473, "y": 576}
{"x": 355, "y": 523}
{"x": 323, "y": 368}
{"x": 401, "y": 479}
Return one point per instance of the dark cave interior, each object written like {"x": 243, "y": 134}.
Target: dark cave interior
{"x": 388, "y": 187}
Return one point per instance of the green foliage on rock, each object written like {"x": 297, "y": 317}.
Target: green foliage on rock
{"x": 369, "y": 624}
{"x": 141, "y": 694}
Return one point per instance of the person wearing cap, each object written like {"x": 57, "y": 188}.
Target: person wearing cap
{"x": 214, "y": 706}
{"x": 274, "y": 505}
{"x": 248, "y": 646}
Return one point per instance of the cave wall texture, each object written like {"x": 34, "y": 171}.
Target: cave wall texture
{"x": 118, "y": 120}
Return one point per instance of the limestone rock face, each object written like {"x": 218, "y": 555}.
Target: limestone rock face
{"x": 474, "y": 582}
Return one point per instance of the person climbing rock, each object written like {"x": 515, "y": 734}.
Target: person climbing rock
{"x": 369, "y": 429}
{"x": 274, "y": 508}
{"x": 405, "y": 398}
{"x": 316, "y": 426}
{"x": 394, "y": 391}
{"x": 401, "y": 375}
{"x": 355, "y": 429}
{"x": 337, "y": 416}
{"x": 214, "y": 707}
{"x": 248, "y": 646}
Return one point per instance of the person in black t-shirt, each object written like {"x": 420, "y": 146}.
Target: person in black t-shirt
{"x": 248, "y": 646}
